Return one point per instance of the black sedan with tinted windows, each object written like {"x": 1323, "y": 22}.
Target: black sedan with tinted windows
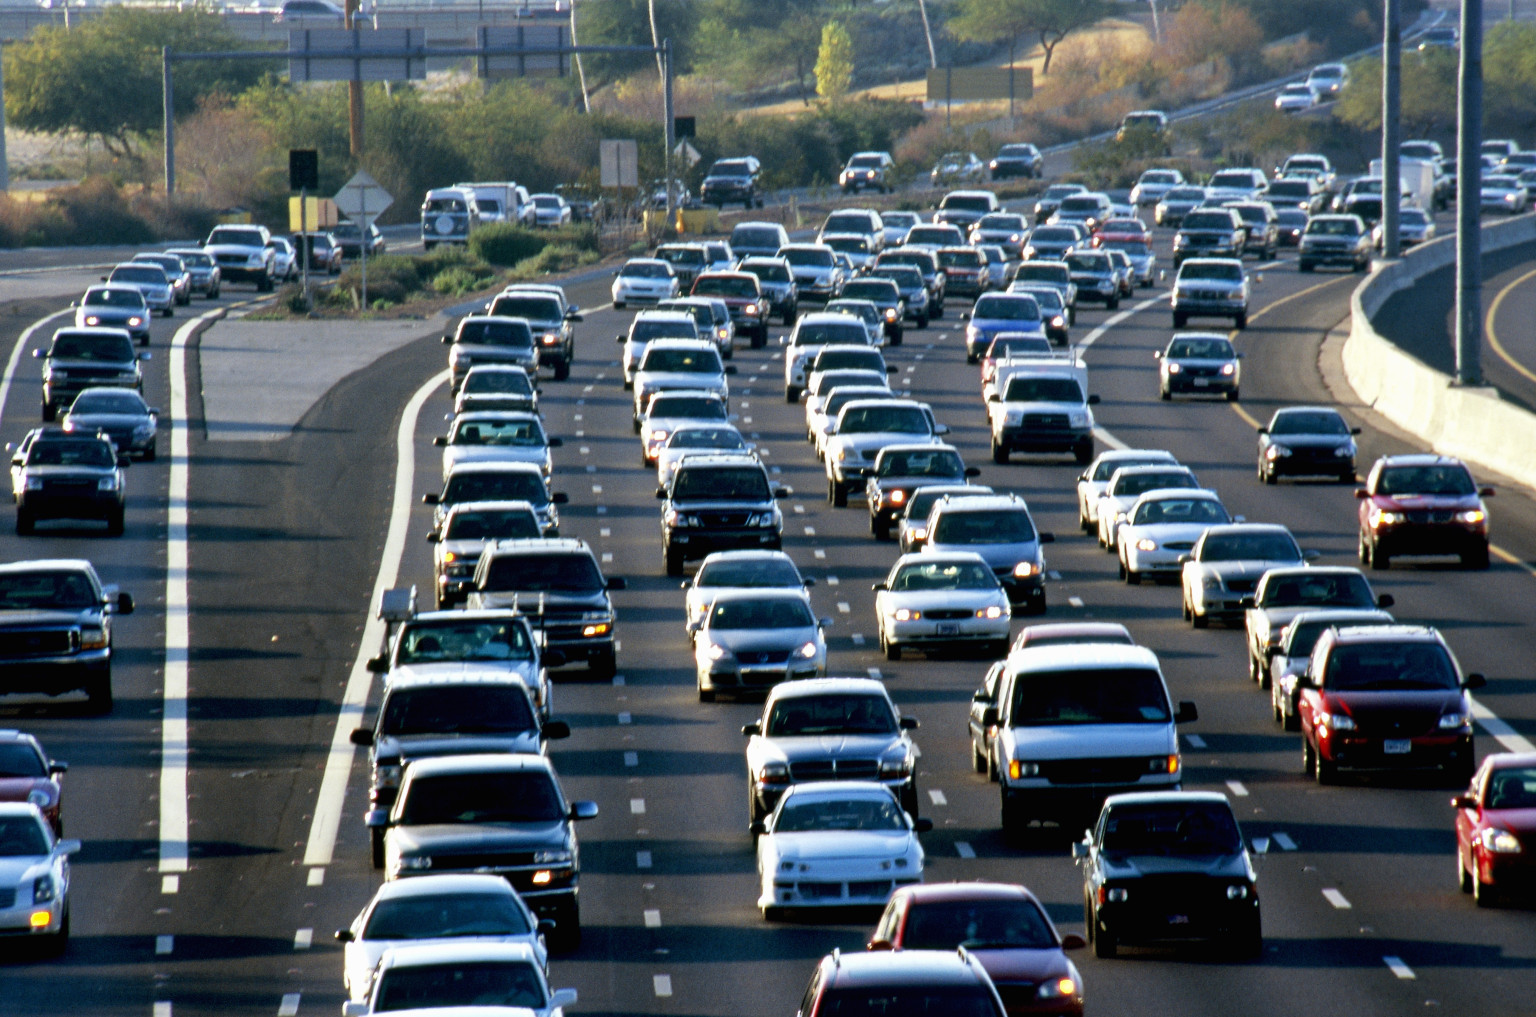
{"x": 1301, "y": 441}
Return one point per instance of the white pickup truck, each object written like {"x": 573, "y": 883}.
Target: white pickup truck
{"x": 1048, "y": 359}
{"x": 1042, "y": 410}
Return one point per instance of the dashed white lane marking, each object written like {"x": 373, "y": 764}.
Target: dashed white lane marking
{"x": 316, "y": 878}
{"x": 289, "y": 1007}
{"x": 1195, "y": 741}
{"x": 832, "y": 580}
{"x": 1398, "y": 968}
{"x": 605, "y": 532}
{"x": 624, "y": 717}
{"x": 964, "y": 850}
{"x": 662, "y": 984}
{"x": 652, "y": 918}
{"x": 586, "y": 388}
{"x": 746, "y": 420}
{"x": 576, "y": 416}
{"x": 162, "y": 1008}
{"x": 818, "y": 553}
{"x": 631, "y": 759}
{"x": 642, "y": 859}
{"x": 857, "y": 638}
{"x": 1052, "y": 574}
{"x": 607, "y": 557}
{"x": 591, "y": 468}
{"x": 618, "y": 679}
{"x": 799, "y": 510}
{"x": 1337, "y": 899}
{"x": 1075, "y": 601}
{"x": 597, "y": 488}
{"x": 937, "y": 796}
{"x": 874, "y": 672}
{"x": 776, "y": 470}
{"x": 637, "y": 806}
{"x": 303, "y": 939}
{"x": 843, "y": 608}
{"x": 170, "y": 884}
{"x": 602, "y": 510}
{"x": 1284, "y": 840}
{"x": 164, "y": 945}
{"x": 1237, "y": 789}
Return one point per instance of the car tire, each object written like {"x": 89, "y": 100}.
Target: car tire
{"x": 605, "y": 665}
{"x": 99, "y": 693}
{"x": 115, "y": 524}
{"x": 1132, "y": 577}
{"x": 1482, "y": 893}
{"x": 706, "y": 695}
{"x": 1103, "y": 940}
{"x": 978, "y": 758}
{"x": 58, "y": 943}
{"x": 1463, "y": 876}
{"x": 1380, "y": 562}
{"x": 1112, "y": 304}
{"x": 839, "y": 495}
{"x": 760, "y": 338}
{"x": 376, "y": 848}
{"x": 1477, "y": 559}
{"x": 25, "y": 524}
{"x": 1232, "y": 396}
{"x": 674, "y": 562}
{"x": 922, "y": 320}
{"x": 1180, "y": 319}
{"x": 50, "y": 412}
{"x": 896, "y": 338}
{"x": 562, "y": 370}
{"x": 1303, "y": 266}
{"x": 1084, "y": 451}
{"x": 999, "y": 453}
{"x": 567, "y": 935}
{"x": 1324, "y": 771}
{"x": 879, "y": 529}
{"x": 1241, "y": 321}
{"x": 1164, "y": 395}
{"x": 151, "y": 453}
{"x": 791, "y": 394}
{"x": 1248, "y": 945}
{"x": 1197, "y": 620}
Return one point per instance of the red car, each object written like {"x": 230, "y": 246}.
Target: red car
{"x": 1422, "y": 504}
{"x": 1495, "y": 821}
{"x": 1121, "y": 229}
{"x": 1385, "y": 697}
{"x": 28, "y": 775}
{"x": 1003, "y": 926}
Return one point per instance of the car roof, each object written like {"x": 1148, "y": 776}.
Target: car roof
{"x": 1087, "y": 629}
{"x": 982, "y": 503}
{"x": 13, "y": 809}
{"x": 1224, "y": 528}
{"x": 710, "y": 460}
{"x": 759, "y": 593}
{"x": 1310, "y": 570}
{"x": 469, "y": 952}
{"x": 472, "y": 614}
{"x": 1166, "y": 798}
{"x": 481, "y": 762}
{"x": 837, "y": 789}
{"x": 680, "y": 344}
{"x": 1115, "y": 454}
{"x": 803, "y": 687}
{"x": 480, "y": 416}
{"x": 964, "y": 891}
{"x": 49, "y": 564}
{"x": 1083, "y": 656}
{"x": 939, "y": 557}
{"x": 1396, "y": 633}
{"x": 413, "y": 679}
{"x": 495, "y": 467}
{"x": 444, "y": 882}
{"x": 1170, "y": 493}
{"x": 904, "y": 967}
{"x": 916, "y": 446}
{"x": 88, "y": 330}
{"x": 1420, "y": 459}
{"x": 540, "y": 545}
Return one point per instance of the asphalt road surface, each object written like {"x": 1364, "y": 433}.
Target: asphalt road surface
{"x": 286, "y": 537}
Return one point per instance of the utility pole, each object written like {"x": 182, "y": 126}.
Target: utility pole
{"x": 1391, "y": 113}
{"x": 1469, "y": 187}
{"x": 933, "y": 60}
{"x": 668, "y": 114}
{"x": 5, "y": 171}
{"x": 354, "y": 92}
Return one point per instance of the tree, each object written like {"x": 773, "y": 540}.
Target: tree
{"x": 102, "y": 78}
{"x": 1006, "y": 20}
{"x": 834, "y": 62}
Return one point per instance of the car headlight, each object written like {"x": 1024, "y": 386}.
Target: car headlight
{"x": 1025, "y": 569}
{"x": 388, "y": 776}
{"x": 1276, "y": 452}
{"x": 994, "y": 612}
{"x": 255, "y": 259}
{"x": 1228, "y": 370}
{"x": 774, "y": 773}
{"x": 556, "y": 856}
{"x": 1018, "y": 769}
{"x": 896, "y": 766}
{"x": 842, "y": 455}
{"x": 134, "y": 321}
{"x": 1163, "y": 764}
{"x": 1058, "y": 322}
{"x": 39, "y": 797}
{"x": 1211, "y": 583}
{"x": 43, "y": 889}
{"x": 550, "y": 338}
{"x": 1117, "y": 894}
{"x": 1379, "y": 517}
{"x": 751, "y": 309}
{"x": 143, "y": 430}
{"x": 1471, "y": 516}
{"x": 808, "y": 650}
{"x": 1175, "y": 368}
{"x": 1146, "y": 544}
{"x": 906, "y": 614}
{"x": 1078, "y": 418}
{"x": 1452, "y": 721}
{"x": 93, "y": 639}
{"x": 1238, "y": 891}
{"x": 919, "y": 533}
{"x": 717, "y": 652}
{"x": 594, "y": 629}
{"x": 34, "y": 483}
{"x": 1338, "y": 721}
{"x": 1344, "y": 451}
{"x": 1498, "y": 841}
{"x": 659, "y": 435}
{"x": 414, "y": 863}
{"x": 107, "y": 484}
{"x": 1180, "y": 241}
{"x": 890, "y": 314}
{"x": 1056, "y": 988}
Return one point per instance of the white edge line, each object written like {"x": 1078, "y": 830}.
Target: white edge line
{"x": 1505, "y": 735}
{"x": 18, "y": 349}
{"x": 338, "y": 765}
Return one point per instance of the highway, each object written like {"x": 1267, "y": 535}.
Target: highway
{"x": 286, "y": 538}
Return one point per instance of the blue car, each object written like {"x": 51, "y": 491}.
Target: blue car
{"x": 995, "y": 313}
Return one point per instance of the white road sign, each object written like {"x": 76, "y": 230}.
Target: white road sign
{"x": 362, "y": 199}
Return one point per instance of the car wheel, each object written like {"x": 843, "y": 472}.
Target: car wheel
{"x": 1477, "y": 559}
{"x": 1232, "y": 396}
{"x": 1485, "y": 895}
{"x": 1249, "y": 945}
{"x": 896, "y": 338}
{"x": 1326, "y": 771}
{"x": 170, "y": 312}
{"x": 1303, "y": 266}
{"x": 705, "y": 695}
{"x": 880, "y": 529}
{"x": 999, "y": 453}
{"x": 1112, "y": 304}
{"x": 376, "y": 848}
{"x": 1241, "y": 321}
{"x": 115, "y": 524}
{"x": 1363, "y": 549}
{"x": 922, "y": 320}
{"x": 1164, "y": 394}
{"x": 978, "y": 758}
{"x": 59, "y": 941}
{"x": 1132, "y": 577}
{"x": 1180, "y": 319}
{"x": 151, "y": 453}
{"x": 50, "y": 412}
{"x": 1463, "y": 876}
{"x": 1379, "y": 561}
{"x": 674, "y": 562}
{"x": 604, "y": 665}
{"x": 791, "y": 394}
{"x": 1308, "y": 757}
{"x": 25, "y": 524}
{"x": 1276, "y": 708}
{"x": 567, "y": 935}
{"x": 1103, "y": 939}
{"x": 839, "y": 495}
{"x": 1256, "y": 673}
{"x": 562, "y": 370}
{"x": 99, "y": 693}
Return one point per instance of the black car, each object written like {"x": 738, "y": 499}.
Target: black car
{"x": 901, "y": 469}
{"x": 718, "y": 503}
{"x": 348, "y": 237}
{"x": 885, "y": 295}
{"x": 1302, "y": 441}
{"x": 56, "y": 629}
{"x": 59, "y": 474}
{"x": 502, "y": 813}
{"x": 557, "y": 583}
{"x": 82, "y": 358}
{"x": 912, "y": 289}
{"x": 732, "y": 180}
{"x": 927, "y": 264}
{"x": 119, "y": 413}
{"x": 1021, "y": 160}
{"x": 1169, "y": 866}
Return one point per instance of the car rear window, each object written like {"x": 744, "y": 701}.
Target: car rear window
{"x": 544, "y": 573}
{"x": 983, "y": 526}
{"x": 721, "y": 483}
{"x": 477, "y": 708}
{"x": 1092, "y": 696}
{"x": 506, "y": 334}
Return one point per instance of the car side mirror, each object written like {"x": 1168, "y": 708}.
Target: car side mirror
{"x": 1361, "y": 494}
{"x": 376, "y": 819}
{"x": 973, "y": 471}
{"x": 555, "y": 442}
{"x": 125, "y": 603}
{"x": 1247, "y": 602}
{"x": 40, "y": 354}
{"x": 661, "y": 494}
{"x": 440, "y": 441}
{"x": 878, "y": 944}
{"x": 343, "y": 935}
{"x": 1072, "y": 941}
{"x": 989, "y": 716}
{"x": 146, "y": 355}
{"x": 1474, "y": 681}
{"x": 1047, "y": 538}
{"x": 1485, "y": 492}
{"x": 574, "y": 317}
{"x": 923, "y": 825}
{"x": 909, "y": 723}
{"x": 1184, "y": 559}
{"x": 124, "y": 461}
{"x": 56, "y": 766}
{"x": 430, "y": 498}
{"x": 878, "y": 587}
{"x": 1386, "y": 600}
{"x": 378, "y": 665}
{"x": 759, "y": 827}
{"x": 782, "y": 492}
{"x": 754, "y": 728}
{"x": 361, "y": 736}
{"x": 583, "y": 810}
{"x": 1356, "y": 430}
{"x": 354, "y": 1008}
{"x": 1186, "y": 713}
{"x": 433, "y": 537}
{"x": 562, "y": 998}
{"x": 1464, "y": 802}
{"x": 618, "y": 583}
{"x": 941, "y": 429}
{"x": 557, "y": 729}
{"x": 965, "y": 315}
{"x": 559, "y": 498}
{"x": 447, "y": 340}
{"x": 1093, "y": 400}
{"x": 619, "y": 339}
{"x": 1080, "y": 849}
{"x": 553, "y": 658}
{"x": 103, "y": 278}
{"x": 730, "y": 368}
{"x": 1157, "y": 354}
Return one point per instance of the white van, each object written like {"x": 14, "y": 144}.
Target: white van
{"x": 448, "y": 216}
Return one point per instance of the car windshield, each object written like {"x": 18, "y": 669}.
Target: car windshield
{"x": 1107, "y": 467}
{"x": 1013, "y": 223}
{"x": 1512, "y": 787}
{"x": 1023, "y": 388}
{"x": 1233, "y": 178}
{"x": 544, "y": 573}
{"x": 22, "y": 837}
{"x": 1079, "y": 205}
{"x": 830, "y": 714}
{"x": 881, "y": 291}
{"x": 776, "y": 271}
{"x": 754, "y": 573}
{"x": 1198, "y": 220}
{"x": 721, "y": 483}
{"x": 547, "y": 201}
{"x": 1159, "y": 177}
{"x": 492, "y": 524}
{"x": 683, "y": 361}
{"x": 1053, "y": 235}
{"x": 861, "y": 309}
{"x": 1389, "y": 664}
{"x": 525, "y": 432}
{"x": 457, "y": 709}
{"x": 1007, "y": 308}
{"x": 984, "y": 526}
{"x": 681, "y": 255}
{"x": 1447, "y": 481}
{"x": 495, "y": 485}
{"x": 445, "y": 916}
{"x": 104, "y": 349}
{"x": 848, "y": 245}
{"x": 65, "y": 452}
{"x": 1316, "y": 588}
{"x": 923, "y": 499}
{"x": 1053, "y": 272}
{"x": 779, "y": 613}
{"x": 1200, "y": 349}
{"x": 532, "y": 308}
{"x": 686, "y": 407}
{"x": 1211, "y": 270}
{"x": 943, "y": 575}
{"x": 460, "y": 983}
{"x": 1097, "y": 696}
{"x": 486, "y": 332}
{"x": 528, "y": 796}
{"x": 966, "y": 202}
{"x": 1275, "y": 547}
{"x": 893, "y": 419}
{"x": 864, "y": 162}
{"x": 706, "y": 437}
{"x": 195, "y": 259}
{"x": 928, "y": 462}
{"x": 1175, "y": 828}
{"x": 965, "y": 257}
{"x": 436, "y": 641}
{"x": 498, "y": 382}
{"x": 1127, "y": 246}
{"x": 645, "y": 270}
{"x": 757, "y": 238}
{"x": 731, "y": 168}
{"x": 108, "y": 401}
{"x": 725, "y": 286}
{"x": 22, "y": 591}
{"x": 977, "y": 925}
{"x": 868, "y": 363}
{"x": 1185, "y": 194}
{"x": 1136, "y": 482}
{"x": 1085, "y": 262}
{"x": 19, "y": 759}
{"x": 1180, "y": 511}
{"x": 808, "y": 256}
{"x": 235, "y": 237}
{"x": 1323, "y": 422}
{"x": 1018, "y": 346}
{"x": 867, "y": 813}
{"x": 1290, "y": 189}
{"x": 937, "y": 235}
{"x": 1333, "y": 228}
{"x": 643, "y": 330}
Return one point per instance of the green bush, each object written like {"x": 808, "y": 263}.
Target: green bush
{"x": 391, "y": 277}
{"x": 455, "y": 282}
{"x": 505, "y": 244}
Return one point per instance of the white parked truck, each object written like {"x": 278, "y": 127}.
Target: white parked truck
{"x": 1418, "y": 181}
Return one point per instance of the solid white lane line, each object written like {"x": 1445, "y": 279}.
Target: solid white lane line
{"x": 162, "y": 1008}
{"x": 662, "y": 985}
{"x": 1195, "y": 741}
{"x": 338, "y": 764}
{"x": 652, "y": 918}
{"x": 303, "y": 939}
{"x": 637, "y": 806}
{"x": 1284, "y": 840}
{"x": 289, "y": 1007}
{"x": 164, "y": 945}
{"x": 1337, "y": 899}
{"x": 642, "y": 859}
{"x": 1237, "y": 789}
{"x": 21, "y": 346}
{"x": 964, "y": 850}
{"x": 1398, "y": 968}
{"x": 937, "y": 796}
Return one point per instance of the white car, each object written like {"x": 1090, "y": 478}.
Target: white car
{"x": 644, "y": 281}
{"x": 836, "y": 844}
{"x": 1501, "y": 193}
{"x": 701, "y": 439}
{"x": 497, "y": 437}
{"x": 550, "y": 211}
{"x": 811, "y": 334}
{"x": 647, "y": 326}
{"x": 462, "y": 975}
{"x": 866, "y": 311}
{"x": 821, "y": 419}
{"x": 442, "y": 907}
{"x": 1093, "y": 480}
{"x": 1162, "y": 528}
{"x": 750, "y": 640}
{"x": 285, "y": 259}
{"x": 946, "y": 600}
{"x": 1127, "y": 484}
{"x": 667, "y": 411}
{"x": 1153, "y": 184}
{"x": 1293, "y": 98}
{"x": 1225, "y": 565}
{"x": 822, "y": 384}
{"x": 672, "y": 364}
{"x": 734, "y": 571}
{"x": 496, "y": 387}
{"x": 34, "y": 877}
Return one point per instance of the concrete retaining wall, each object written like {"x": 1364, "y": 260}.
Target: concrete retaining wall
{"x": 1473, "y": 424}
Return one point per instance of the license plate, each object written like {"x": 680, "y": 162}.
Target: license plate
{"x": 949, "y": 630}
{"x": 1202, "y": 382}
{"x": 1178, "y": 919}
{"x": 1397, "y": 747}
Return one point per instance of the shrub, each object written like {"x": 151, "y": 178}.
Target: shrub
{"x": 505, "y": 244}
{"x": 97, "y": 214}
{"x": 457, "y": 281}
{"x": 391, "y": 277}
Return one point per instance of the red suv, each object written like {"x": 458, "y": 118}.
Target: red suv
{"x": 1422, "y": 504}
{"x": 28, "y": 775}
{"x": 1387, "y": 697}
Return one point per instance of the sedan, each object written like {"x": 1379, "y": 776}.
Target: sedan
{"x": 150, "y": 280}
{"x": 1495, "y": 821}
{"x": 349, "y": 240}
{"x": 644, "y": 281}
{"x": 175, "y": 270}
{"x": 945, "y": 600}
{"x": 738, "y": 571}
{"x": 1003, "y": 926}
{"x": 285, "y": 259}
{"x": 114, "y": 307}
{"x": 497, "y": 437}
{"x": 705, "y": 439}
{"x": 749, "y": 640}
{"x": 1162, "y": 527}
{"x": 1304, "y": 441}
{"x": 1200, "y": 363}
{"x": 550, "y": 211}
{"x": 1502, "y": 192}
{"x": 836, "y": 844}
{"x": 119, "y": 413}
{"x": 1422, "y": 505}
{"x": 958, "y": 168}
{"x": 34, "y": 877}
{"x": 28, "y": 775}
{"x": 1414, "y": 226}
{"x": 1225, "y": 567}
{"x": 1295, "y": 98}
{"x": 445, "y": 907}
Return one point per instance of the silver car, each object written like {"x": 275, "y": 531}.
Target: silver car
{"x": 497, "y": 437}
{"x": 149, "y": 280}
{"x": 1199, "y": 363}
{"x": 34, "y": 877}
{"x": 202, "y": 270}
{"x": 750, "y": 640}
{"x": 737, "y": 571}
{"x": 175, "y": 271}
